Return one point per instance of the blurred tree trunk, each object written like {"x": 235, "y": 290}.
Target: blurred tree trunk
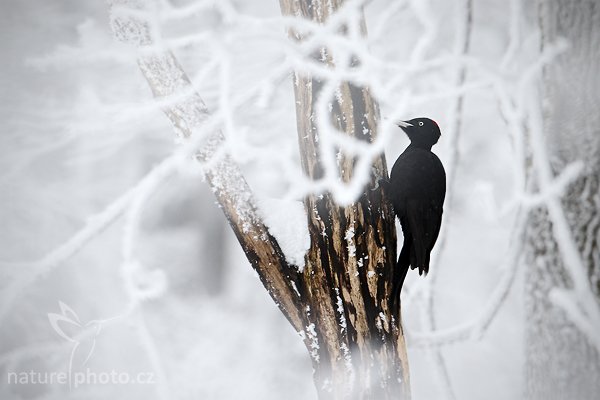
{"x": 561, "y": 363}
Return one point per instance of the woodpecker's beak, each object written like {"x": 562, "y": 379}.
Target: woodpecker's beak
{"x": 404, "y": 124}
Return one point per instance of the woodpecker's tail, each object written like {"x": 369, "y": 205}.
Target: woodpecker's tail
{"x": 420, "y": 259}
{"x": 419, "y": 222}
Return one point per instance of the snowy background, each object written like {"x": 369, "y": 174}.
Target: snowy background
{"x": 79, "y": 129}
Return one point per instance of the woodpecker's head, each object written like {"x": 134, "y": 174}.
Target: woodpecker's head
{"x": 422, "y": 132}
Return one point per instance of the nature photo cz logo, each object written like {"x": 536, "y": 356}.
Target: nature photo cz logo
{"x": 82, "y": 337}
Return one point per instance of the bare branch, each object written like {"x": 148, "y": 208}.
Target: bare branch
{"x": 166, "y": 78}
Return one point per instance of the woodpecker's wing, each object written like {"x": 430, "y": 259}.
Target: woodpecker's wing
{"x": 417, "y": 174}
{"x": 438, "y": 183}
{"x": 418, "y": 187}
{"x": 436, "y": 206}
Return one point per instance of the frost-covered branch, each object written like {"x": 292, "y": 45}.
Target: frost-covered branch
{"x": 475, "y": 328}
{"x": 94, "y": 226}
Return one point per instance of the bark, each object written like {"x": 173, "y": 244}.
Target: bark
{"x": 561, "y": 362}
{"x": 339, "y": 303}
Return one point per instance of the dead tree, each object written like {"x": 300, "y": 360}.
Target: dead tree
{"x": 339, "y": 302}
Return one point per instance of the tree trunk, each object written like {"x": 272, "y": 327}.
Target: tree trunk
{"x": 562, "y": 362}
{"x": 350, "y": 263}
{"x": 340, "y": 302}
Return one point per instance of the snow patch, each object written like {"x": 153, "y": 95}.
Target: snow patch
{"x": 340, "y": 310}
{"x": 314, "y": 341}
{"x": 286, "y": 220}
{"x": 350, "y": 242}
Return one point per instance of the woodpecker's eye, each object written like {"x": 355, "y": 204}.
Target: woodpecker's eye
{"x": 420, "y": 123}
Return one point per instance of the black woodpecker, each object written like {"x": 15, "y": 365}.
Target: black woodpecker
{"x": 417, "y": 189}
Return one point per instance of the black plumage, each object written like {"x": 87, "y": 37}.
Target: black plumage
{"x": 417, "y": 189}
